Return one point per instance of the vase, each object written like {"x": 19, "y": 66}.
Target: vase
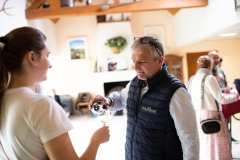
{"x": 115, "y": 50}
{"x": 67, "y": 3}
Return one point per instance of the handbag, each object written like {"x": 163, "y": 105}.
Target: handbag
{"x": 213, "y": 125}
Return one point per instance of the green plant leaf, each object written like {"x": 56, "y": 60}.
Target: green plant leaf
{"x": 118, "y": 42}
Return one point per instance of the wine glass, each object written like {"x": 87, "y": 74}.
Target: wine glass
{"x": 105, "y": 117}
{"x": 102, "y": 111}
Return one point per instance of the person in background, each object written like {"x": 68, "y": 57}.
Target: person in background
{"x": 32, "y": 125}
{"x": 218, "y": 72}
{"x": 221, "y": 78}
{"x": 161, "y": 121}
{"x": 220, "y": 65}
{"x": 212, "y": 146}
{"x": 220, "y": 62}
{"x": 55, "y": 96}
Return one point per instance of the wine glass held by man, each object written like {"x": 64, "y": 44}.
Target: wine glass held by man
{"x": 34, "y": 126}
{"x": 158, "y": 108}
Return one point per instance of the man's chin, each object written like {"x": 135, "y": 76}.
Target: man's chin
{"x": 141, "y": 77}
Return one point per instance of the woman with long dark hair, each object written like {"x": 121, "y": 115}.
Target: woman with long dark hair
{"x": 32, "y": 125}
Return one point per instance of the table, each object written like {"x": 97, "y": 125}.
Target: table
{"x": 231, "y": 108}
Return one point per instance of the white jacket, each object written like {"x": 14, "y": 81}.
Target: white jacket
{"x": 212, "y": 91}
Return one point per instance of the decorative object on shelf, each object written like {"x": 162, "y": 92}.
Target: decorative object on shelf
{"x": 78, "y": 48}
{"x": 4, "y": 8}
{"x": 117, "y": 44}
{"x": 117, "y": 64}
{"x": 237, "y": 5}
{"x": 156, "y": 31}
{"x": 116, "y": 17}
{"x": 106, "y": 6}
{"x": 67, "y": 3}
{"x": 46, "y": 5}
{"x": 101, "y": 18}
{"x": 112, "y": 66}
{"x": 89, "y": 2}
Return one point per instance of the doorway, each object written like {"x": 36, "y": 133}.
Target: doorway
{"x": 192, "y": 62}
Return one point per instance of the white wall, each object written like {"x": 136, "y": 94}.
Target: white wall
{"x": 72, "y": 76}
{"x": 49, "y": 29}
{"x": 140, "y": 20}
{"x": 195, "y": 24}
{"x": 16, "y": 18}
{"x": 110, "y": 30}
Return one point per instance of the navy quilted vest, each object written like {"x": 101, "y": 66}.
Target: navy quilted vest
{"x": 151, "y": 133}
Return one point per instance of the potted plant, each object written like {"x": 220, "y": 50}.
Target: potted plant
{"x": 117, "y": 44}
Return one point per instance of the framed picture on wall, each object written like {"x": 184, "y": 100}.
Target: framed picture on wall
{"x": 237, "y": 5}
{"x": 156, "y": 31}
{"x": 77, "y": 47}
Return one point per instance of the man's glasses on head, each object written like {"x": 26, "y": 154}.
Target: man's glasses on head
{"x": 153, "y": 41}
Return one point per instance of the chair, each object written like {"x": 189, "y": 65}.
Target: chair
{"x": 66, "y": 103}
{"x": 82, "y": 101}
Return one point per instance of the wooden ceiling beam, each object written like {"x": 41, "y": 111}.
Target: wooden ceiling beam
{"x": 54, "y": 4}
{"x": 116, "y": 1}
{"x": 147, "y": 5}
{"x": 55, "y": 20}
{"x": 174, "y": 10}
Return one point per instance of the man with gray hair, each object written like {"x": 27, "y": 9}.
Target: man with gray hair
{"x": 161, "y": 121}
{"x": 218, "y": 72}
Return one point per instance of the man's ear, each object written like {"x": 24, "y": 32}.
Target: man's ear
{"x": 161, "y": 59}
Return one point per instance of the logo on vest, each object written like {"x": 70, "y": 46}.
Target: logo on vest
{"x": 148, "y": 109}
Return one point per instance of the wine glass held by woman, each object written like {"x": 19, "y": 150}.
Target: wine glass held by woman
{"x": 103, "y": 112}
{"x": 33, "y": 125}
{"x": 105, "y": 117}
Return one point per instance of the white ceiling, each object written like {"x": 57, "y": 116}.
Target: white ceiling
{"x": 232, "y": 29}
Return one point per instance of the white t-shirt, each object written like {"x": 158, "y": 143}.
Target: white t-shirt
{"x": 28, "y": 120}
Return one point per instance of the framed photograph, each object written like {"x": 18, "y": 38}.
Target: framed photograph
{"x": 77, "y": 47}
{"x": 237, "y": 5}
{"x": 156, "y": 31}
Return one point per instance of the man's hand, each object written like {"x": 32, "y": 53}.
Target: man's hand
{"x": 105, "y": 100}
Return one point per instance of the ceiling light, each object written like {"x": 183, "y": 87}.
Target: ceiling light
{"x": 227, "y": 34}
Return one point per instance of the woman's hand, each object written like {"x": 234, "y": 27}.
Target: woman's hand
{"x": 101, "y": 135}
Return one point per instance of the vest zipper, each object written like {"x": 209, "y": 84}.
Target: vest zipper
{"x": 137, "y": 111}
